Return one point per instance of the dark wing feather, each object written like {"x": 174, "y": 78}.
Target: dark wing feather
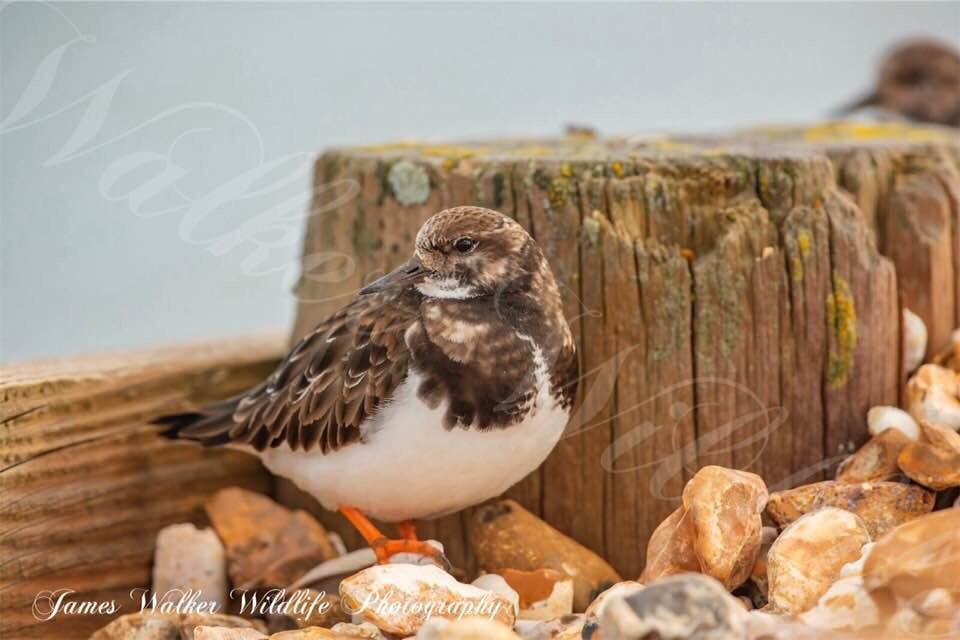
{"x": 327, "y": 386}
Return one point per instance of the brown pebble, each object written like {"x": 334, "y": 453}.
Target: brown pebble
{"x": 876, "y": 461}
{"x": 725, "y": 507}
{"x": 544, "y": 594}
{"x": 267, "y": 544}
{"x": 145, "y": 625}
{"x": 190, "y": 622}
{"x": 226, "y": 633}
{"x": 807, "y": 557}
{"x": 881, "y": 505}
{"x": 915, "y": 558}
{"x": 935, "y": 461}
{"x": 313, "y": 633}
{"x": 504, "y": 535}
{"x": 670, "y": 549}
{"x": 309, "y": 608}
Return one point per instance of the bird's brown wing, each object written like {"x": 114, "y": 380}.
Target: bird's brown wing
{"x": 325, "y": 388}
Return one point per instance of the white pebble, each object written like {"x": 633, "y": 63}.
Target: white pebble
{"x": 496, "y": 584}
{"x": 880, "y": 419}
{"x": 914, "y": 340}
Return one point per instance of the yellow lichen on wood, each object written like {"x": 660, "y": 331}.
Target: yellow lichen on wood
{"x": 861, "y": 131}
{"x": 456, "y": 151}
{"x": 842, "y": 321}
{"x": 804, "y": 244}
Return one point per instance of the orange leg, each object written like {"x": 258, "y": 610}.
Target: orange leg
{"x": 408, "y": 530}
{"x": 386, "y": 548}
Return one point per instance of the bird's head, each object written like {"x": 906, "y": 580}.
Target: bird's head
{"x": 466, "y": 252}
{"x": 921, "y": 80}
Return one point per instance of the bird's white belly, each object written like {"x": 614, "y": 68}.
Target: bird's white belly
{"x": 410, "y": 467}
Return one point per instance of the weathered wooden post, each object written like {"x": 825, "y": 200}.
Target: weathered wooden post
{"x": 735, "y": 299}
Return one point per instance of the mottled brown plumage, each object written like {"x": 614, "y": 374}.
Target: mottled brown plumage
{"x": 920, "y": 81}
{"x": 473, "y": 313}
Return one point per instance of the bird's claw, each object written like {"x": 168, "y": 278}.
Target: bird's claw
{"x": 385, "y": 549}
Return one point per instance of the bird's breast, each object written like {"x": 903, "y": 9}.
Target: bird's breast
{"x": 409, "y": 465}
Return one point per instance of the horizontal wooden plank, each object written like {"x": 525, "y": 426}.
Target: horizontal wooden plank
{"x": 85, "y": 481}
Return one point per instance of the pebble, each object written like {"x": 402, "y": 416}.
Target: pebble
{"x": 684, "y": 607}
{"x": 808, "y": 555}
{"x": 399, "y": 598}
{"x": 876, "y": 461}
{"x": 466, "y": 629}
{"x": 670, "y": 549}
{"x": 190, "y": 559}
{"x": 950, "y": 357}
{"x": 767, "y": 625}
{"x": 880, "y": 419}
{"x": 267, "y": 544}
{"x": 504, "y": 535}
{"x": 847, "y": 603}
{"x": 914, "y": 340}
{"x": 311, "y": 609}
{"x": 319, "y": 633}
{"x": 934, "y": 462}
{"x": 568, "y": 627}
{"x": 881, "y": 505}
{"x": 717, "y": 531}
{"x": 148, "y": 625}
{"x": 190, "y": 622}
{"x": 145, "y": 625}
{"x": 933, "y": 395}
{"x": 908, "y": 623}
{"x": 544, "y": 594}
{"x": 326, "y": 576}
{"x": 725, "y": 507}
{"x": 496, "y": 584}
{"x": 619, "y": 590}
{"x": 915, "y": 558}
{"x": 362, "y": 630}
{"x": 758, "y": 575}
{"x": 204, "y": 632}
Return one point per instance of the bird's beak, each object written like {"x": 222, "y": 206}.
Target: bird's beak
{"x": 869, "y": 100}
{"x": 409, "y": 273}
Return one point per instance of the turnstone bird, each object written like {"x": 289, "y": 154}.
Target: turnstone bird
{"x": 437, "y": 387}
{"x": 919, "y": 81}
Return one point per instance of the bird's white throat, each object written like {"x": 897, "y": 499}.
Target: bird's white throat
{"x": 449, "y": 288}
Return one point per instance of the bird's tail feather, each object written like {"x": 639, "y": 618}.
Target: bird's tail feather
{"x": 210, "y": 426}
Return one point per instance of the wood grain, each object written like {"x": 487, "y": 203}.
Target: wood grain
{"x": 86, "y": 483}
{"x": 735, "y": 300}
{"x": 762, "y": 352}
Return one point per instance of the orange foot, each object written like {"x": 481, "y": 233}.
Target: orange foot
{"x": 408, "y": 530}
{"x": 386, "y": 548}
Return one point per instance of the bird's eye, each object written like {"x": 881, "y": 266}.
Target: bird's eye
{"x": 911, "y": 77}
{"x": 465, "y": 245}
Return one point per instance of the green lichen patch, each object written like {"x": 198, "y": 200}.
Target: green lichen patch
{"x": 718, "y": 290}
{"x": 409, "y": 182}
{"x": 591, "y": 229}
{"x": 560, "y": 187}
{"x": 842, "y": 322}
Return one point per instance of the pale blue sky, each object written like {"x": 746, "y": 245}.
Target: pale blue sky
{"x": 199, "y": 95}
